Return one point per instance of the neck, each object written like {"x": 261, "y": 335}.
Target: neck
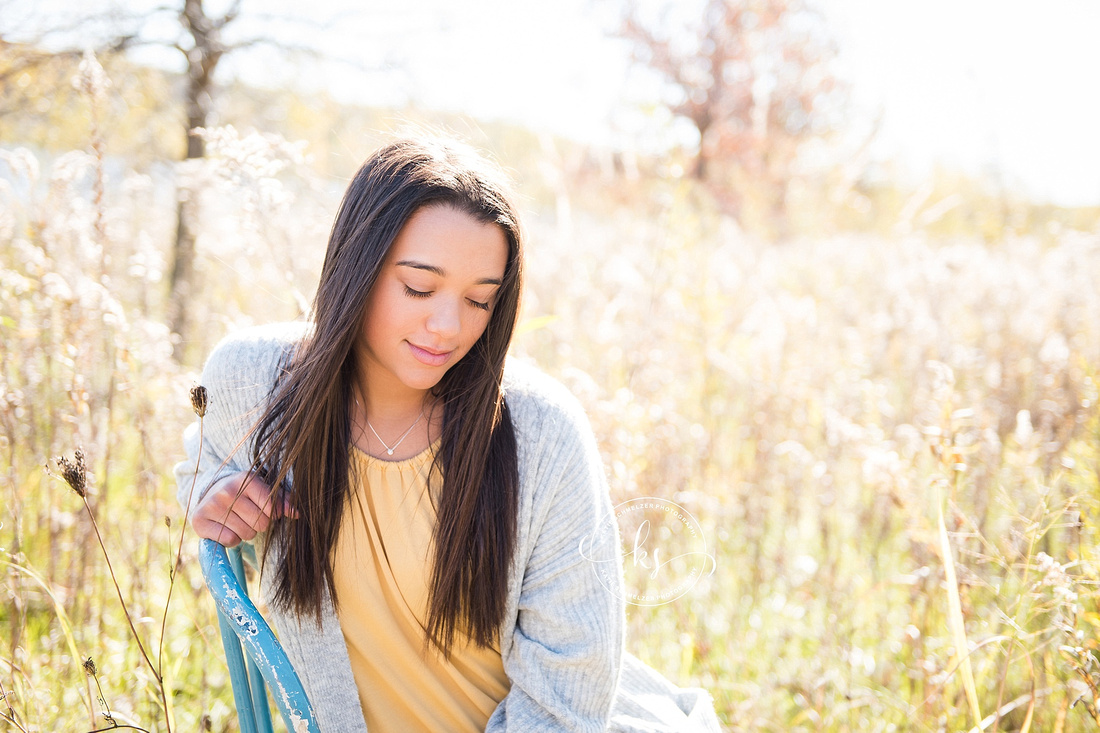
{"x": 392, "y": 416}
{"x": 385, "y": 406}
{"x": 383, "y": 396}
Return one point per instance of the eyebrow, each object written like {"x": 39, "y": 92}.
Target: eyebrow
{"x": 434, "y": 269}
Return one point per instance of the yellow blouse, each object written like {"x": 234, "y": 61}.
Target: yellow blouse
{"x": 382, "y": 570}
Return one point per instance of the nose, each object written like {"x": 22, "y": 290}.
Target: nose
{"x": 445, "y": 320}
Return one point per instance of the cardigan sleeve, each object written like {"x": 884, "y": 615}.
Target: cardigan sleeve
{"x": 238, "y": 377}
{"x": 564, "y": 653}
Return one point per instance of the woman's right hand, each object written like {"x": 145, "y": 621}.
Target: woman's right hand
{"x": 230, "y": 515}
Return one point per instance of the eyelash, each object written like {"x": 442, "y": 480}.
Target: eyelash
{"x": 422, "y": 294}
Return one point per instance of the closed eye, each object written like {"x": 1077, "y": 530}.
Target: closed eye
{"x": 427, "y": 293}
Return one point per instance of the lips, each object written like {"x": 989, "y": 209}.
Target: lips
{"x": 429, "y": 357}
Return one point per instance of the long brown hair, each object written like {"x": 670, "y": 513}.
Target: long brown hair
{"x": 302, "y": 440}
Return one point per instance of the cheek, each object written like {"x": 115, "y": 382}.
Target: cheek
{"x": 478, "y": 324}
{"x": 383, "y": 312}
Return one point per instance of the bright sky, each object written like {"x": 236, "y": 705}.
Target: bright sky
{"x": 997, "y": 86}
{"x": 984, "y": 84}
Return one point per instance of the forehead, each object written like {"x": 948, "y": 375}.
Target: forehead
{"x": 452, "y": 240}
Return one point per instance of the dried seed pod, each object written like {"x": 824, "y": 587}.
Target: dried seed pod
{"x": 198, "y": 400}
{"x": 74, "y": 471}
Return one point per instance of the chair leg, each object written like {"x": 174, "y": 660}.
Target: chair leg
{"x": 238, "y": 677}
{"x": 245, "y": 630}
{"x": 260, "y": 709}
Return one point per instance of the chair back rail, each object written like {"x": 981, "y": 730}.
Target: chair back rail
{"x": 243, "y": 628}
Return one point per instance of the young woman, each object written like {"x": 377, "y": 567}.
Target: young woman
{"x": 435, "y": 527}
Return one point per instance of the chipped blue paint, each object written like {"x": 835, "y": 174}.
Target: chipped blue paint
{"x": 244, "y": 623}
{"x": 242, "y": 626}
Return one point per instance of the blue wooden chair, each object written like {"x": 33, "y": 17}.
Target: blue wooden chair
{"x": 243, "y": 627}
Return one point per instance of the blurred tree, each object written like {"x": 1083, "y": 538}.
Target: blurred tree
{"x": 40, "y": 107}
{"x": 203, "y": 46}
{"x": 201, "y": 37}
{"x": 754, "y": 78}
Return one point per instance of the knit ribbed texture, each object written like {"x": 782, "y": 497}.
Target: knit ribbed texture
{"x": 562, "y": 634}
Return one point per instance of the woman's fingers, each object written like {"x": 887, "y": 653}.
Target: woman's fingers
{"x": 260, "y": 497}
{"x": 216, "y": 531}
{"x": 264, "y": 498}
{"x": 217, "y": 518}
{"x": 245, "y": 506}
{"x": 236, "y": 509}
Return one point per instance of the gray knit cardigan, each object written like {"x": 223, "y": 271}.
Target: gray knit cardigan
{"x": 561, "y": 639}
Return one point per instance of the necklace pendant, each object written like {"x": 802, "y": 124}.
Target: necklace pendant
{"x": 389, "y": 450}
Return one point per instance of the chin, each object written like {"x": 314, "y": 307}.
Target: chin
{"x": 423, "y": 381}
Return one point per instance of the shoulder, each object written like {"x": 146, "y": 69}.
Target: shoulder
{"x": 553, "y": 435}
{"x": 537, "y": 400}
{"x": 243, "y": 367}
{"x": 251, "y": 356}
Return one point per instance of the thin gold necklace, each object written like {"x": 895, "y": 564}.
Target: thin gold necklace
{"x": 390, "y": 450}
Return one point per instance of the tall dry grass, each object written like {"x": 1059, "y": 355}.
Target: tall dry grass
{"x": 820, "y": 406}
{"x": 86, "y": 364}
{"x": 893, "y": 446}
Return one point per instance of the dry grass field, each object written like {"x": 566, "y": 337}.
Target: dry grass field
{"x": 892, "y": 444}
